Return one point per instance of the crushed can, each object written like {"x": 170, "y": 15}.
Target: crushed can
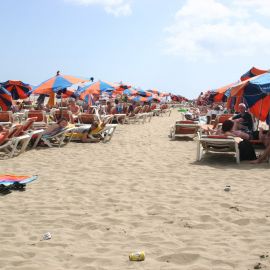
{"x": 47, "y": 236}
{"x": 137, "y": 256}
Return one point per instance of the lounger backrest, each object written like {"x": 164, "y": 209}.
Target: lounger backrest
{"x": 144, "y": 109}
{"x": 113, "y": 110}
{"x": 39, "y": 114}
{"x": 86, "y": 118}
{"x": 63, "y": 114}
{"x": 29, "y": 123}
{"x": 153, "y": 106}
{"x": 222, "y": 118}
{"x": 137, "y": 109}
{"x": 15, "y": 131}
{"x": 186, "y": 130}
{"x": 148, "y": 108}
{"x": 6, "y": 116}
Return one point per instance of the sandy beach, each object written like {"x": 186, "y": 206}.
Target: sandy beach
{"x": 141, "y": 191}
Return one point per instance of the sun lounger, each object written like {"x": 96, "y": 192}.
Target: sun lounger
{"x": 217, "y": 144}
{"x": 41, "y": 121}
{"x": 15, "y": 143}
{"x": 6, "y": 118}
{"x": 60, "y": 139}
{"x": 184, "y": 129}
{"x": 104, "y": 135}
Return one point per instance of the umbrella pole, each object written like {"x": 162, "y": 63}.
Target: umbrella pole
{"x": 260, "y": 111}
{"x": 61, "y": 108}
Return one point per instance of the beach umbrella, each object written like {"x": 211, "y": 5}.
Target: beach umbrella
{"x": 236, "y": 92}
{"x": 154, "y": 91}
{"x": 130, "y": 92}
{"x": 144, "y": 93}
{"x": 252, "y": 73}
{"x": 94, "y": 89}
{"x": 5, "y": 99}
{"x": 140, "y": 99}
{"x": 18, "y": 89}
{"x": 220, "y": 93}
{"x": 257, "y": 96}
{"x": 56, "y": 84}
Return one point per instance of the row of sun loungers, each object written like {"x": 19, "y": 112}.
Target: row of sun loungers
{"x": 210, "y": 143}
{"x": 32, "y": 129}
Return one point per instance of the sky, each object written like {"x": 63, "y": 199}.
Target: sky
{"x": 178, "y": 46}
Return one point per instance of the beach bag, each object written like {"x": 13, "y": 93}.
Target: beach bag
{"x": 246, "y": 150}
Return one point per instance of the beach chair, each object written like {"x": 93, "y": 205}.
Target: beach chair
{"x": 217, "y": 144}
{"x": 137, "y": 116}
{"x": 108, "y": 132}
{"x": 220, "y": 119}
{"x": 119, "y": 118}
{"x": 6, "y": 118}
{"x": 58, "y": 114}
{"x": 164, "y": 109}
{"x": 41, "y": 118}
{"x": 86, "y": 118}
{"x": 60, "y": 139}
{"x": 16, "y": 142}
{"x": 105, "y": 134}
{"x": 182, "y": 129}
{"x": 5, "y": 143}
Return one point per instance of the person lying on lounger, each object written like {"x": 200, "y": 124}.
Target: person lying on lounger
{"x": 55, "y": 128}
{"x": 228, "y": 129}
{"x": 3, "y": 134}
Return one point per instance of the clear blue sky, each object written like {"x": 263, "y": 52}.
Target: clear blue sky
{"x": 179, "y": 46}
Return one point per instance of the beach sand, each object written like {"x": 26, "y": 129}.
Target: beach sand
{"x": 141, "y": 191}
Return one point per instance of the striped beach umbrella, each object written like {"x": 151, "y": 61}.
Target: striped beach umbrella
{"x": 144, "y": 93}
{"x": 252, "y": 73}
{"x": 94, "y": 89}
{"x": 257, "y": 96}
{"x": 5, "y": 99}
{"x": 130, "y": 92}
{"x": 56, "y": 84}
{"x": 18, "y": 89}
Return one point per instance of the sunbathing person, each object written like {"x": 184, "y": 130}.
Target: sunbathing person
{"x": 55, "y": 128}
{"x": 3, "y": 134}
{"x": 94, "y": 133}
{"x": 228, "y": 129}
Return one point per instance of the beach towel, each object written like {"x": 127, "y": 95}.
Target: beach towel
{"x": 8, "y": 180}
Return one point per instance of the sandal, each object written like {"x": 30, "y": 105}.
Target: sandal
{"x": 4, "y": 189}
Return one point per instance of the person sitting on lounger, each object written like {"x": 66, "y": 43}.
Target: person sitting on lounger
{"x": 3, "y": 134}
{"x": 243, "y": 120}
{"x": 56, "y": 128}
{"x": 73, "y": 107}
{"x": 228, "y": 129}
